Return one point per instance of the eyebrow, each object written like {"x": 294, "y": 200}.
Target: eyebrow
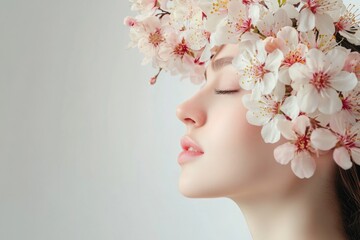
{"x": 219, "y": 64}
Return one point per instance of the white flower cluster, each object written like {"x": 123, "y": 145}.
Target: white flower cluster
{"x": 304, "y": 83}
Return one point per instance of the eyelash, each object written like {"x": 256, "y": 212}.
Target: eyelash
{"x": 226, "y": 91}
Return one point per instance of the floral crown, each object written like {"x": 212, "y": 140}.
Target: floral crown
{"x": 299, "y": 58}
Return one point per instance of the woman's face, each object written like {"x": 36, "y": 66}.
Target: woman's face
{"x": 236, "y": 162}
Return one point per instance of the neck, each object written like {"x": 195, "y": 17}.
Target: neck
{"x": 307, "y": 209}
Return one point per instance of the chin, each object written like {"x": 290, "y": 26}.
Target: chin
{"x": 190, "y": 190}
{"x": 187, "y": 189}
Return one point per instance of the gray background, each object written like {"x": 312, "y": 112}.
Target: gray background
{"x": 88, "y": 149}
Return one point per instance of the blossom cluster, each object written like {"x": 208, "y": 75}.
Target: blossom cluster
{"x": 304, "y": 81}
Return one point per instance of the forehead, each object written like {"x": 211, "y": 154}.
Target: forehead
{"x": 227, "y": 50}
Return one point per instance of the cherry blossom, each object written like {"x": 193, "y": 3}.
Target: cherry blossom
{"x": 348, "y": 25}
{"x": 352, "y": 64}
{"x": 266, "y": 112}
{"x": 149, "y": 37}
{"x": 258, "y": 70}
{"x": 215, "y": 11}
{"x": 238, "y": 21}
{"x": 298, "y": 150}
{"x": 271, "y": 24}
{"x": 350, "y": 104}
{"x": 144, "y": 6}
{"x": 294, "y": 52}
{"x": 318, "y": 13}
{"x": 322, "y": 42}
{"x": 288, "y": 6}
{"x": 344, "y": 136}
{"x": 130, "y": 21}
{"x": 188, "y": 19}
{"x": 180, "y": 59}
{"x": 320, "y": 79}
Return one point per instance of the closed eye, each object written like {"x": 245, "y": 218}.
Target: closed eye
{"x": 226, "y": 91}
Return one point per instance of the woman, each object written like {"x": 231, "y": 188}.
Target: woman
{"x": 237, "y": 164}
{"x": 281, "y": 87}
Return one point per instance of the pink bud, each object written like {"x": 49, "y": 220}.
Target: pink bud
{"x": 130, "y": 21}
{"x": 272, "y": 43}
{"x": 153, "y": 80}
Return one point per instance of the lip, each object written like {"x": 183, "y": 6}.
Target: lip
{"x": 186, "y": 156}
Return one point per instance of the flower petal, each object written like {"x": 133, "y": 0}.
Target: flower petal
{"x": 330, "y": 102}
{"x": 336, "y": 59}
{"x": 257, "y": 118}
{"x": 270, "y": 133}
{"x": 248, "y": 102}
{"x": 284, "y": 76}
{"x": 323, "y": 119}
{"x": 308, "y": 99}
{"x": 342, "y": 158}
{"x": 279, "y": 92}
{"x": 284, "y": 153}
{"x": 300, "y": 124}
{"x": 355, "y": 154}
{"x": 291, "y": 10}
{"x": 306, "y": 20}
{"x": 355, "y": 129}
{"x": 344, "y": 81}
{"x": 324, "y": 23}
{"x": 269, "y": 83}
{"x": 289, "y": 35}
{"x": 338, "y": 124}
{"x": 273, "y": 60}
{"x": 299, "y": 73}
{"x": 315, "y": 60}
{"x": 290, "y": 107}
{"x": 254, "y": 12}
{"x": 303, "y": 165}
{"x": 261, "y": 52}
{"x": 206, "y": 54}
{"x": 285, "y": 127}
{"x": 323, "y": 139}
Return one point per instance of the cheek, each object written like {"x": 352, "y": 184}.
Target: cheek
{"x": 236, "y": 159}
{"x": 239, "y": 153}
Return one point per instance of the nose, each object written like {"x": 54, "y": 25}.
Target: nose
{"x": 191, "y": 113}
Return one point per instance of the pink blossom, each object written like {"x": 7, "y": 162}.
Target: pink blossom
{"x": 215, "y": 11}
{"x": 348, "y": 25}
{"x": 352, "y": 64}
{"x": 344, "y": 137}
{"x": 268, "y": 110}
{"x": 318, "y": 13}
{"x": 323, "y": 42}
{"x": 293, "y": 50}
{"x": 272, "y": 43}
{"x": 298, "y": 149}
{"x": 350, "y": 105}
{"x": 143, "y": 6}
{"x": 288, "y": 6}
{"x": 257, "y": 68}
{"x": 239, "y": 20}
{"x": 320, "y": 79}
{"x": 130, "y": 21}
{"x": 271, "y": 24}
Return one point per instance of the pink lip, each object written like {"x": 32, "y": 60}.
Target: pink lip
{"x": 186, "y": 156}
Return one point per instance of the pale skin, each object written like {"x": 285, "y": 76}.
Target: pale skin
{"x": 238, "y": 165}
